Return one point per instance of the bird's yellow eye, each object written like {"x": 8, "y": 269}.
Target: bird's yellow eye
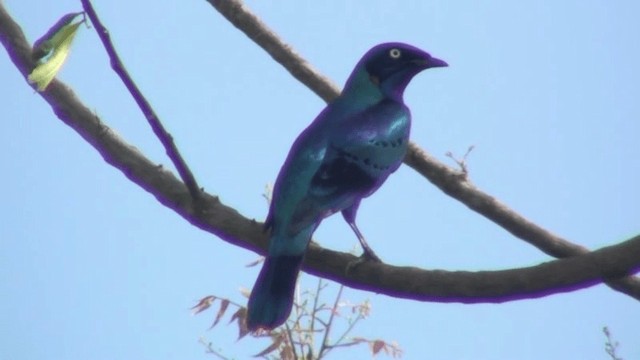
{"x": 395, "y": 53}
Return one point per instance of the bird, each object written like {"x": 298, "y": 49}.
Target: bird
{"x": 342, "y": 157}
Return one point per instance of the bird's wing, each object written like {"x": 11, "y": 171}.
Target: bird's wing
{"x": 363, "y": 151}
{"x": 330, "y": 168}
{"x": 292, "y": 184}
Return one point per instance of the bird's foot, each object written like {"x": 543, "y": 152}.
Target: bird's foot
{"x": 369, "y": 255}
{"x": 366, "y": 257}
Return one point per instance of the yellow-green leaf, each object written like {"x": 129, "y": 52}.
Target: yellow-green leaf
{"x": 60, "y": 44}
{"x": 43, "y": 46}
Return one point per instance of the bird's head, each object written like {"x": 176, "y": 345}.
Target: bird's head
{"x": 389, "y": 67}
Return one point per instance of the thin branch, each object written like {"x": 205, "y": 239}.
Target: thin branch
{"x": 314, "y": 311}
{"x": 347, "y": 331}
{"x": 165, "y": 138}
{"x": 325, "y": 340}
{"x": 404, "y": 282}
{"x": 210, "y": 350}
{"x": 452, "y": 182}
{"x": 299, "y": 314}
{"x": 290, "y": 338}
{"x": 611, "y": 346}
{"x": 462, "y": 163}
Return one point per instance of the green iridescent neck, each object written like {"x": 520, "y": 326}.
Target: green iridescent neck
{"x": 360, "y": 92}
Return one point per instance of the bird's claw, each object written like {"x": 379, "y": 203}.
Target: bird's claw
{"x": 367, "y": 256}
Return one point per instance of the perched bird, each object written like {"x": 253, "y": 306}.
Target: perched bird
{"x": 345, "y": 155}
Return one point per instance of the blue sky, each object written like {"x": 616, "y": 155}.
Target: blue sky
{"x": 93, "y": 267}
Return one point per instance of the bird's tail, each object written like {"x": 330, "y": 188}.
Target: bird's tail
{"x": 272, "y": 296}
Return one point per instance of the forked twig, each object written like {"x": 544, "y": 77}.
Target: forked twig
{"x": 462, "y": 163}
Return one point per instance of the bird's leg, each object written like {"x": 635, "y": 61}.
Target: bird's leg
{"x": 368, "y": 253}
{"x": 349, "y": 215}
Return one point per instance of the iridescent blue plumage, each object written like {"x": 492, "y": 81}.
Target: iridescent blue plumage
{"x": 345, "y": 155}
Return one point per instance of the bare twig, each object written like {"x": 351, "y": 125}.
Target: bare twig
{"x": 210, "y": 350}
{"x": 324, "y": 346}
{"x": 314, "y": 310}
{"x": 165, "y": 138}
{"x": 352, "y": 324}
{"x": 462, "y": 163}
{"x": 290, "y": 337}
{"x": 611, "y": 346}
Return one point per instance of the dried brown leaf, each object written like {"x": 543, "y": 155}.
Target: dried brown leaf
{"x": 274, "y": 346}
{"x": 238, "y": 315}
{"x": 241, "y": 315}
{"x": 203, "y": 304}
{"x": 224, "y": 304}
{"x": 223, "y": 308}
{"x": 286, "y": 352}
{"x": 376, "y": 346}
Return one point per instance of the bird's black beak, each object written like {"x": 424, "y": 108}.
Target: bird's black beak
{"x": 433, "y": 62}
{"x": 430, "y": 62}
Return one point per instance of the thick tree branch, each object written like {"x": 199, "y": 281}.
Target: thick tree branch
{"x": 468, "y": 287}
{"x": 406, "y": 282}
{"x": 452, "y": 182}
